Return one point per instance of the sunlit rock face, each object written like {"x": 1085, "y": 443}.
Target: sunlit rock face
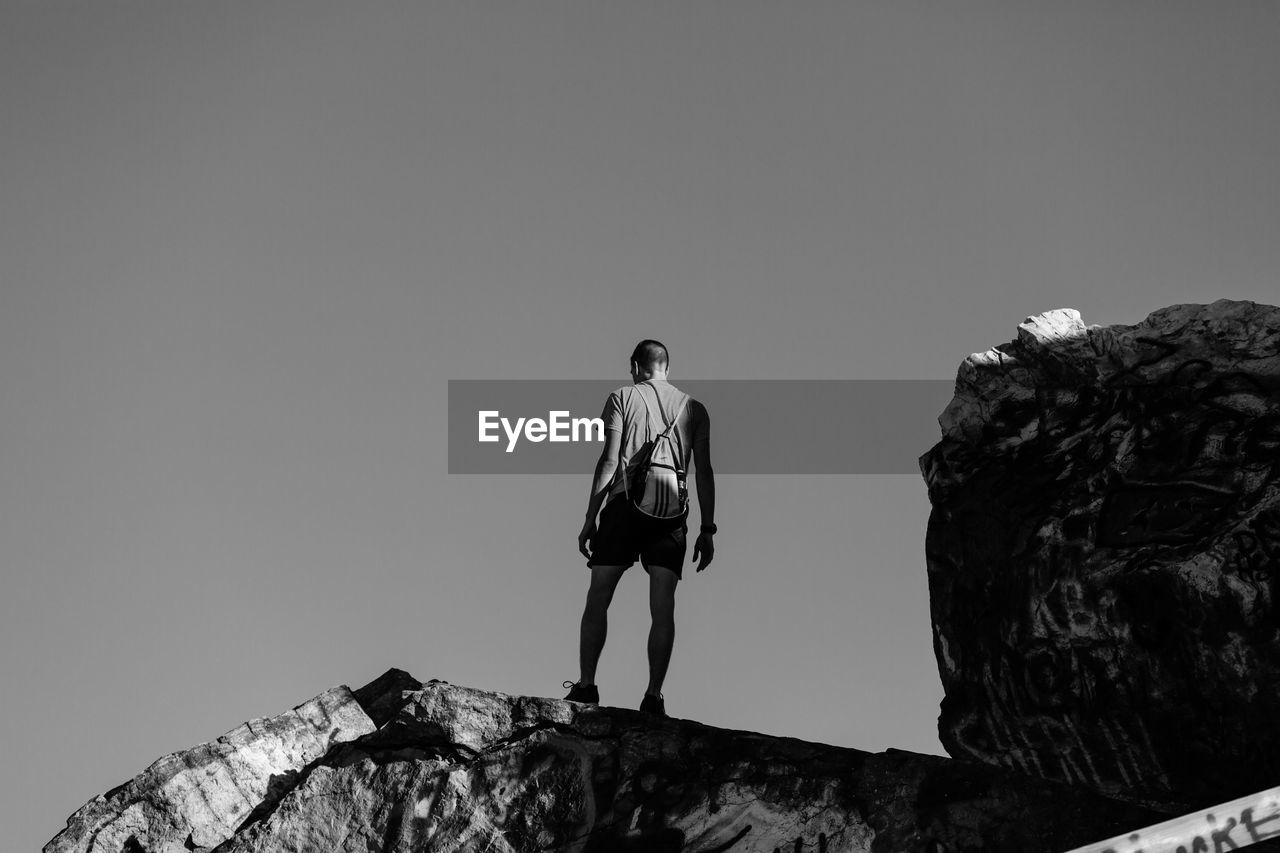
{"x": 448, "y": 768}
{"x": 1104, "y": 549}
{"x": 196, "y": 798}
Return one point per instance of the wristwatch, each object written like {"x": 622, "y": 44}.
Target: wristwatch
{"x": 708, "y": 528}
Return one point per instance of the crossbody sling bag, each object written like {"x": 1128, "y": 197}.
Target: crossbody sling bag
{"x": 657, "y": 486}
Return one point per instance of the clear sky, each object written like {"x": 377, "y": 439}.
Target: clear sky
{"x": 244, "y": 246}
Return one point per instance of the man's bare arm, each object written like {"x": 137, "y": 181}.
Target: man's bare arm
{"x": 705, "y": 479}
{"x": 606, "y": 465}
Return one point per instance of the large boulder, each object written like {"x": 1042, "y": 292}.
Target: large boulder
{"x": 1104, "y": 549}
{"x": 453, "y": 768}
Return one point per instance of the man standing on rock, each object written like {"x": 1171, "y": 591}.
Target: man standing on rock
{"x": 623, "y": 534}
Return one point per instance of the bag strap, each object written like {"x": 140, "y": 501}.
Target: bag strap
{"x": 666, "y": 425}
{"x": 648, "y": 411}
{"x": 680, "y": 441}
{"x": 649, "y": 452}
{"x": 684, "y": 404}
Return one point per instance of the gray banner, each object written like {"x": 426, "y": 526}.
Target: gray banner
{"x": 783, "y": 426}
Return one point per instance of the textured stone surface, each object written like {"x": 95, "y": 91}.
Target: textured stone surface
{"x": 1104, "y": 549}
{"x": 197, "y": 798}
{"x": 461, "y": 769}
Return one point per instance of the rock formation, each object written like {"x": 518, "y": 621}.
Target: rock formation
{"x": 195, "y": 799}
{"x": 398, "y": 766}
{"x": 1104, "y": 549}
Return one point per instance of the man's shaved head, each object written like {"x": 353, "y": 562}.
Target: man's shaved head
{"x": 650, "y": 355}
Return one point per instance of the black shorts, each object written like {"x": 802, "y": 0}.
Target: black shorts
{"x": 623, "y": 534}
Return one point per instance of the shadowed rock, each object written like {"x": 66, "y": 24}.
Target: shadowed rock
{"x": 1104, "y": 549}
{"x": 383, "y": 697}
{"x": 460, "y": 769}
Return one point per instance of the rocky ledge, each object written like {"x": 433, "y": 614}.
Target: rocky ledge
{"x": 399, "y": 766}
{"x": 1104, "y": 553}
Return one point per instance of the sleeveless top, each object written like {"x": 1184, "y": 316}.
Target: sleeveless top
{"x": 625, "y": 412}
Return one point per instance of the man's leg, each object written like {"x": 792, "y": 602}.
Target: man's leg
{"x": 595, "y": 622}
{"x": 662, "y": 633}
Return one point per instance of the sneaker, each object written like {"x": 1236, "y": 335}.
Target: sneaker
{"x": 653, "y": 705}
{"x": 588, "y": 693}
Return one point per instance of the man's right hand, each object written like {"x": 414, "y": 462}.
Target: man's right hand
{"x": 706, "y": 547}
{"x": 587, "y": 534}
